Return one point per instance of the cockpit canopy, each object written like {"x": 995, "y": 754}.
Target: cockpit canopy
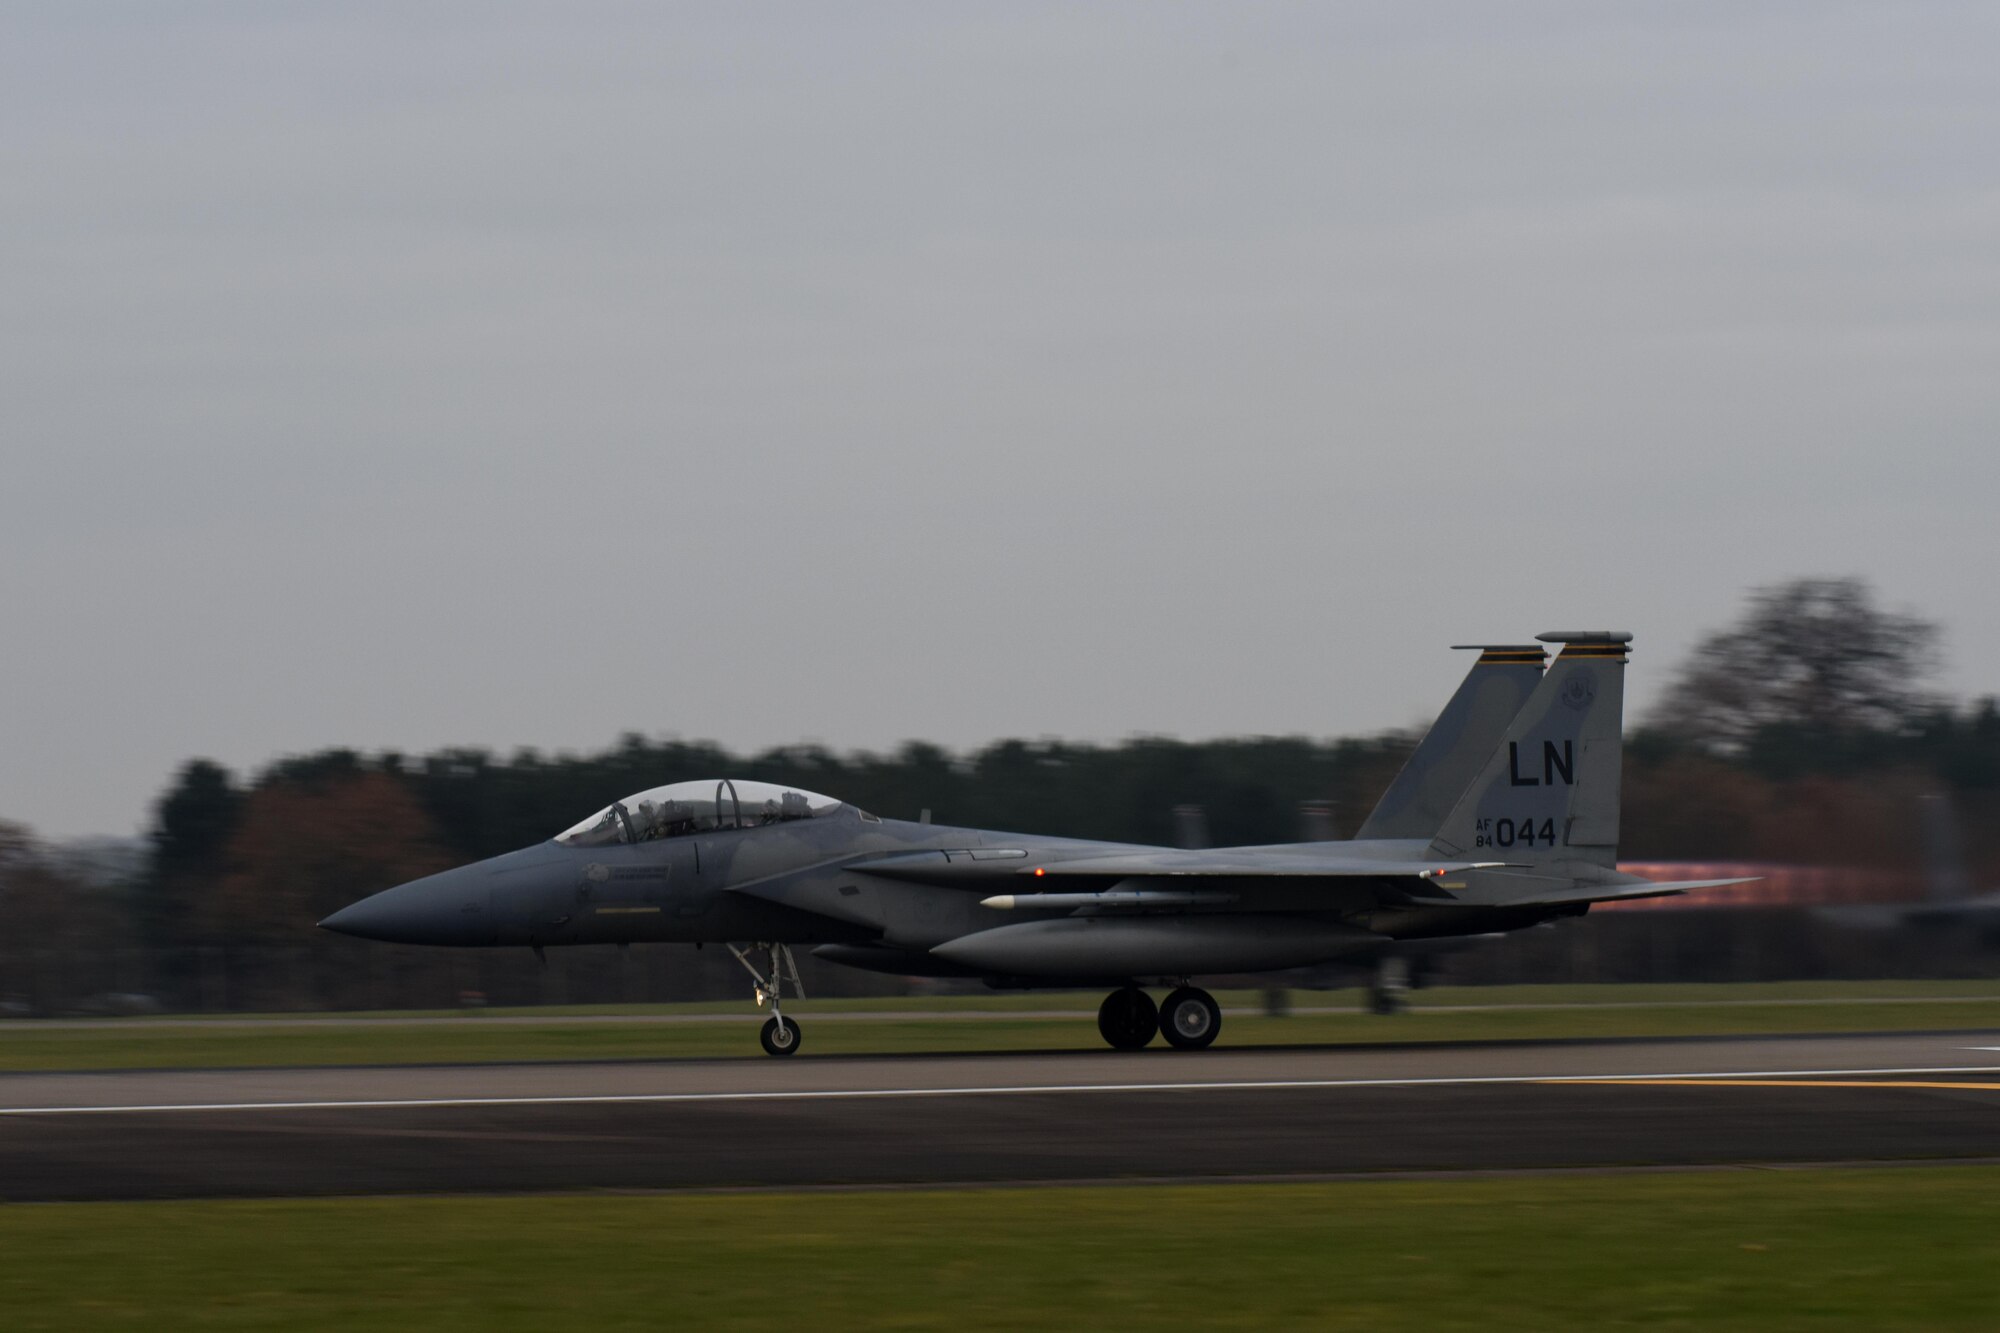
{"x": 681, "y": 808}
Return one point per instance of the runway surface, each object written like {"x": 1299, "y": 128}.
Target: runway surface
{"x": 1085, "y": 1115}
{"x": 956, "y": 1014}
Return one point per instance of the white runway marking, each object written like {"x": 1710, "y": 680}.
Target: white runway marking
{"x": 482, "y": 1018}
{"x": 858, "y": 1094}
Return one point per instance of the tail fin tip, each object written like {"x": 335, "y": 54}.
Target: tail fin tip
{"x": 1585, "y": 636}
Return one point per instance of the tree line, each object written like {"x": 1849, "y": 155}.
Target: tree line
{"x": 1805, "y": 731}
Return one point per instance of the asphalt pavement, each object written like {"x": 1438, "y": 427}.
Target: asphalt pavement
{"x": 1291, "y": 1112}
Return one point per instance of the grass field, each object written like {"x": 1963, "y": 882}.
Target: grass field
{"x": 996, "y": 1022}
{"x": 1908, "y": 1248}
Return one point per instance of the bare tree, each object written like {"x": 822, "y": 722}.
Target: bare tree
{"x": 1814, "y": 655}
{"x": 304, "y": 848}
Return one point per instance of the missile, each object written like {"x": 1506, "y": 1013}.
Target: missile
{"x": 1007, "y": 902}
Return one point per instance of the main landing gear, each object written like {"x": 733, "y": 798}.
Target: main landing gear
{"x": 1387, "y": 987}
{"x": 1128, "y": 1019}
{"x": 1188, "y": 1018}
{"x": 780, "y": 1035}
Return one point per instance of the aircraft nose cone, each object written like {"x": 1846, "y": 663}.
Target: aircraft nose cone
{"x": 456, "y": 906}
{"x": 449, "y": 908}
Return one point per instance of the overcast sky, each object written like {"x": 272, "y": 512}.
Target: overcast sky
{"x": 409, "y": 376}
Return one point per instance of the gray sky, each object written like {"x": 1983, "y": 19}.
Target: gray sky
{"x": 388, "y": 376}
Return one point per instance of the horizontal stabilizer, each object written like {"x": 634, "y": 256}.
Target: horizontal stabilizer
{"x": 1591, "y": 893}
{"x": 1684, "y": 885}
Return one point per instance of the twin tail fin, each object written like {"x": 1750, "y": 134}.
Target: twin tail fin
{"x": 1456, "y": 748}
{"x": 1548, "y": 792}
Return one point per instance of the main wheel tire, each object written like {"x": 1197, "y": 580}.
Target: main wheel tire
{"x": 1128, "y": 1019}
{"x": 1190, "y": 1018}
{"x": 780, "y": 1039}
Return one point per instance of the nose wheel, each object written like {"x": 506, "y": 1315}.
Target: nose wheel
{"x": 780, "y": 1035}
{"x": 1127, "y": 1019}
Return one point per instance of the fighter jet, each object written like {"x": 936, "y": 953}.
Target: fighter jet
{"x": 1505, "y": 816}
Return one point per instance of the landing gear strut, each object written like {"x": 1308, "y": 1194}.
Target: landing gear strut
{"x": 1190, "y": 1018}
{"x": 1128, "y": 1019}
{"x": 780, "y": 1035}
{"x": 1387, "y": 986}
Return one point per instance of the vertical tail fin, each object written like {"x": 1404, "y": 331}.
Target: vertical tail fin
{"x": 1458, "y": 744}
{"x": 1549, "y": 791}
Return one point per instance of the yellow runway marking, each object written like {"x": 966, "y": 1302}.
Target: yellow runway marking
{"x": 1781, "y": 1083}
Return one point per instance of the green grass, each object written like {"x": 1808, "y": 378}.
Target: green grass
{"x": 1566, "y": 1011}
{"x": 1910, "y": 1248}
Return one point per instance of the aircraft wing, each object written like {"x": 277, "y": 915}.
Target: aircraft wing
{"x": 1244, "y": 863}
{"x": 1097, "y": 879}
{"x": 1583, "y": 893}
{"x": 1250, "y": 864}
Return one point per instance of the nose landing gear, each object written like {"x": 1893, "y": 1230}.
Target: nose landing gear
{"x": 780, "y": 1035}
